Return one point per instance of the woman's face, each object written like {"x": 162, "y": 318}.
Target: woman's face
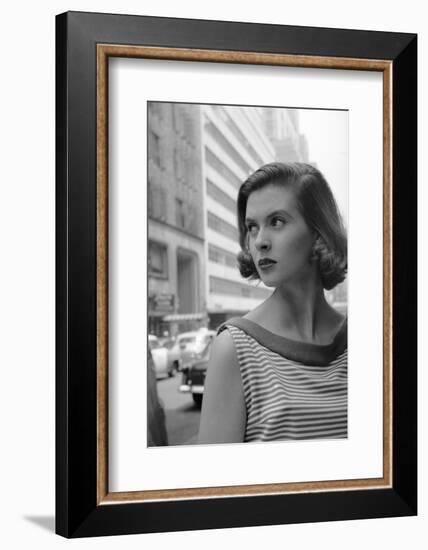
{"x": 279, "y": 239}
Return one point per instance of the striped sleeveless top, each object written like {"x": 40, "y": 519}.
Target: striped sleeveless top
{"x": 293, "y": 390}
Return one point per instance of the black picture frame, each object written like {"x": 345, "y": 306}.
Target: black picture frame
{"x": 79, "y": 512}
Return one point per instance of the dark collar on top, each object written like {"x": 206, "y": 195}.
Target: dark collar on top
{"x": 302, "y": 352}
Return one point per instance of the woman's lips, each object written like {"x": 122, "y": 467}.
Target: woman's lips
{"x": 266, "y": 263}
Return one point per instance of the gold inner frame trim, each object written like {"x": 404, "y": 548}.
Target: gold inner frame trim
{"x": 104, "y": 51}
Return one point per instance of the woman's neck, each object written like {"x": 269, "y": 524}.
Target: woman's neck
{"x": 300, "y": 311}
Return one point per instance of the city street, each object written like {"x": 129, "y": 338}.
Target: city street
{"x": 182, "y": 415}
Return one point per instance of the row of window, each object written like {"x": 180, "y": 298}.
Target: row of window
{"x": 221, "y": 168}
{"x": 157, "y": 203}
{"x": 157, "y": 109}
{"x": 220, "y": 196}
{"x": 181, "y": 117}
{"x": 158, "y": 267}
{"x": 223, "y": 227}
{"x": 185, "y": 167}
{"x": 158, "y": 258}
{"x": 185, "y": 163}
{"x": 232, "y": 288}
{"x": 221, "y": 256}
{"x": 154, "y": 152}
{"x": 219, "y": 137}
{"x": 185, "y": 121}
{"x": 236, "y": 131}
{"x": 186, "y": 216}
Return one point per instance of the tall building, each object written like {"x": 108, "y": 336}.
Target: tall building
{"x": 282, "y": 128}
{"x": 234, "y": 146}
{"x": 176, "y": 250}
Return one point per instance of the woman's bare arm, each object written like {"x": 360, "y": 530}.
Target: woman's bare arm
{"x": 223, "y": 416}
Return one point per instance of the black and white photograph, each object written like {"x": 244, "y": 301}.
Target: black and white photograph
{"x": 247, "y": 210}
{"x": 213, "y": 261}
{"x": 245, "y": 251}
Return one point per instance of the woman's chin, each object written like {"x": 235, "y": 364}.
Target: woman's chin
{"x": 270, "y": 282}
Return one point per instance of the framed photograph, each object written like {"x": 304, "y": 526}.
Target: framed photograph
{"x": 236, "y": 274}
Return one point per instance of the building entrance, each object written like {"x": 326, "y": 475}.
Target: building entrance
{"x": 187, "y": 282}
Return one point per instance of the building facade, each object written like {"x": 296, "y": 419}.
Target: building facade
{"x": 282, "y": 128}
{"x": 176, "y": 249}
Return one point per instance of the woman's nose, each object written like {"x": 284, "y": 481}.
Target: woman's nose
{"x": 262, "y": 242}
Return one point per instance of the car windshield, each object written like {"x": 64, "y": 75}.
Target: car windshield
{"x": 195, "y": 343}
{"x": 188, "y": 340}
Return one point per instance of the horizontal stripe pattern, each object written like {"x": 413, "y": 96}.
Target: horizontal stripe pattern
{"x": 288, "y": 400}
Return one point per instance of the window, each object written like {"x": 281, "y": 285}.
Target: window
{"x": 220, "y": 196}
{"x": 221, "y": 256}
{"x": 154, "y": 148}
{"x": 225, "y": 228}
{"x": 180, "y": 214}
{"x": 233, "y": 127}
{"x": 221, "y": 168}
{"x": 157, "y": 202}
{"x": 219, "y": 137}
{"x": 158, "y": 260}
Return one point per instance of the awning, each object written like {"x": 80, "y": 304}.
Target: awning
{"x": 184, "y": 317}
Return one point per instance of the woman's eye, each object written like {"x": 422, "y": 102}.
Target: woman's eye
{"x": 252, "y": 228}
{"x": 278, "y": 222}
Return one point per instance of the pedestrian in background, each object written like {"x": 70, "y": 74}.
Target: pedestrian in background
{"x": 156, "y": 430}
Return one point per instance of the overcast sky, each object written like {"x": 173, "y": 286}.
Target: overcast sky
{"x": 327, "y": 135}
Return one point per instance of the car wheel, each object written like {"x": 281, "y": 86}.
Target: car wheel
{"x": 197, "y": 398}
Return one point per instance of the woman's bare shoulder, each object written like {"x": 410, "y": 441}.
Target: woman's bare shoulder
{"x": 223, "y": 346}
{"x": 223, "y": 366}
{"x": 223, "y": 405}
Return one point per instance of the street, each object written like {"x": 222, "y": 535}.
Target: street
{"x": 182, "y": 415}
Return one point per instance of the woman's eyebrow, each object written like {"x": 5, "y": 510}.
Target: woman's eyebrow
{"x": 281, "y": 211}
{"x": 271, "y": 215}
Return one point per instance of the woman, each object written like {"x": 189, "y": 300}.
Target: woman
{"x": 280, "y": 372}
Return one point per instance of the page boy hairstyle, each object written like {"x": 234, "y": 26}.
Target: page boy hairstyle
{"x": 318, "y": 208}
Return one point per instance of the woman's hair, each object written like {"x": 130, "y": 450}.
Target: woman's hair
{"x": 318, "y": 208}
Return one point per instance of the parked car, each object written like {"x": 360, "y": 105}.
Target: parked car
{"x": 163, "y": 365}
{"x": 193, "y": 344}
{"x": 194, "y": 372}
{"x": 174, "y": 352}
